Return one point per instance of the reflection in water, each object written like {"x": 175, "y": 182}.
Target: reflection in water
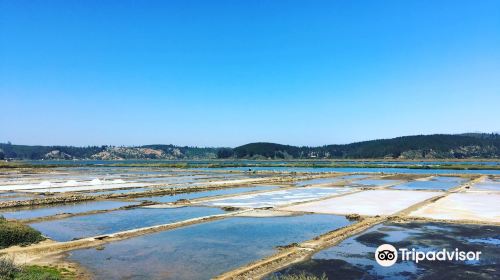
{"x": 193, "y": 195}
{"x": 115, "y": 221}
{"x": 436, "y": 183}
{"x": 202, "y": 251}
{"x": 71, "y": 208}
{"x": 276, "y": 198}
{"x": 354, "y": 257}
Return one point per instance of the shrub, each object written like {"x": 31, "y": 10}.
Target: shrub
{"x": 10, "y": 271}
{"x": 16, "y": 233}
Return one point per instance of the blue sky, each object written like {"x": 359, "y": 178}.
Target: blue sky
{"x": 225, "y": 73}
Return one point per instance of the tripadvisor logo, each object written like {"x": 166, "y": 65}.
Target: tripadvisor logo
{"x": 387, "y": 255}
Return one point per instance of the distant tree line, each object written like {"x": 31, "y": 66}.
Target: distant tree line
{"x": 420, "y": 146}
{"x": 470, "y": 145}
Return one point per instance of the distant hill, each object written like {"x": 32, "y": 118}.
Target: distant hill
{"x": 11, "y": 151}
{"x": 407, "y": 147}
{"x": 437, "y": 146}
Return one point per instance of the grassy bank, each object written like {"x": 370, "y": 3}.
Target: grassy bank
{"x": 9, "y": 270}
{"x": 16, "y": 233}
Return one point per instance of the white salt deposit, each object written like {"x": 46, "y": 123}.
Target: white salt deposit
{"x": 371, "y": 202}
{"x": 463, "y": 206}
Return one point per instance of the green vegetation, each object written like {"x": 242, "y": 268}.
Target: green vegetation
{"x": 9, "y": 270}
{"x": 437, "y": 146}
{"x": 38, "y": 152}
{"x": 301, "y": 276}
{"x": 407, "y": 147}
{"x": 16, "y": 233}
{"x": 10, "y": 151}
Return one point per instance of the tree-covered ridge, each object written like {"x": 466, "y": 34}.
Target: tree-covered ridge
{"x": 420, "y": 146}
{"x": 11, "y": 151}
{"x": 471, "y": 145}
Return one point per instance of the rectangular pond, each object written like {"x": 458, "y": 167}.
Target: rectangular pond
{"x": 328, "y": 180}
{"x": 121, "y": 191}
{"x": 120, "y": 220}
{"x": 277, "y": 198}
{"x": 369, "y": 202}
{"x": 359, "y": 169}
{"x": 353, "y": 258}
{"x": 193, "y": 195}
{"x": 53, "y": 209}
{"x": 15, "y": 198}
{"x": 436, "y": 183}
{"x": 202, "y": 251}
{"x": 476, "y": 206}
{"x": 373, "y": 182}
{"x": 487, "y": 185}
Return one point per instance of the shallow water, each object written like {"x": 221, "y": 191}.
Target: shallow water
{"x": 115, "y": 221}
{"x": 329, "y": 180}
{"x": 374, "y": 182}
{"x": 15, "y": 198}
{"x": 350, "y": 169}
{"x": 436, "y": 183}
{"x": 487, "y": 185}
{"x": 118, "y": 191}
{"x": 318, "y": 181}
{"x": 202, "y": 251}
{"x": 354, "y": 257}
{"x": 49, "y": 210}
{"x": 193, "y": 195}
{"x": 276, "y": 198}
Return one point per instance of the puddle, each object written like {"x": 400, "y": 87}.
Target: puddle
{"x": 202, "y": 251}
{"x": 49, "y": 210}
{"x": 115, "y": 221}
{"x": 193, "y": 195}
{"x": 276, "y": 198}
{"x": 354, "y": 257}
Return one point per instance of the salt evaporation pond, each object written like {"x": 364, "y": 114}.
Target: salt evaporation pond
{"x": 193, "y": 195}
{"x": 276, "y": 198}
{"x": 15, "y": 198}
{"x": 120, "y": 191}
{"x": 328, "y": 180}
{"x": 358, "y": 170}
{"x": 202, "y": 251}
{"x": 487, "y": 185}
{"x": 120, "y": 220}
{"x": 318, "y": 181}
{"x": 354, "y": 257}
{"x": 72, "y": 208}
{"x": 436, "y": 183}
{"x": 374, "y": 182}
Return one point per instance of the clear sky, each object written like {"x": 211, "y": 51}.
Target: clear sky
{"x": 225, "y": 73}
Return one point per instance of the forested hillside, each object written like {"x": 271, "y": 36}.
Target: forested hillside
{"x": 409, "y": 147}
{"x": 470, "y": 145}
